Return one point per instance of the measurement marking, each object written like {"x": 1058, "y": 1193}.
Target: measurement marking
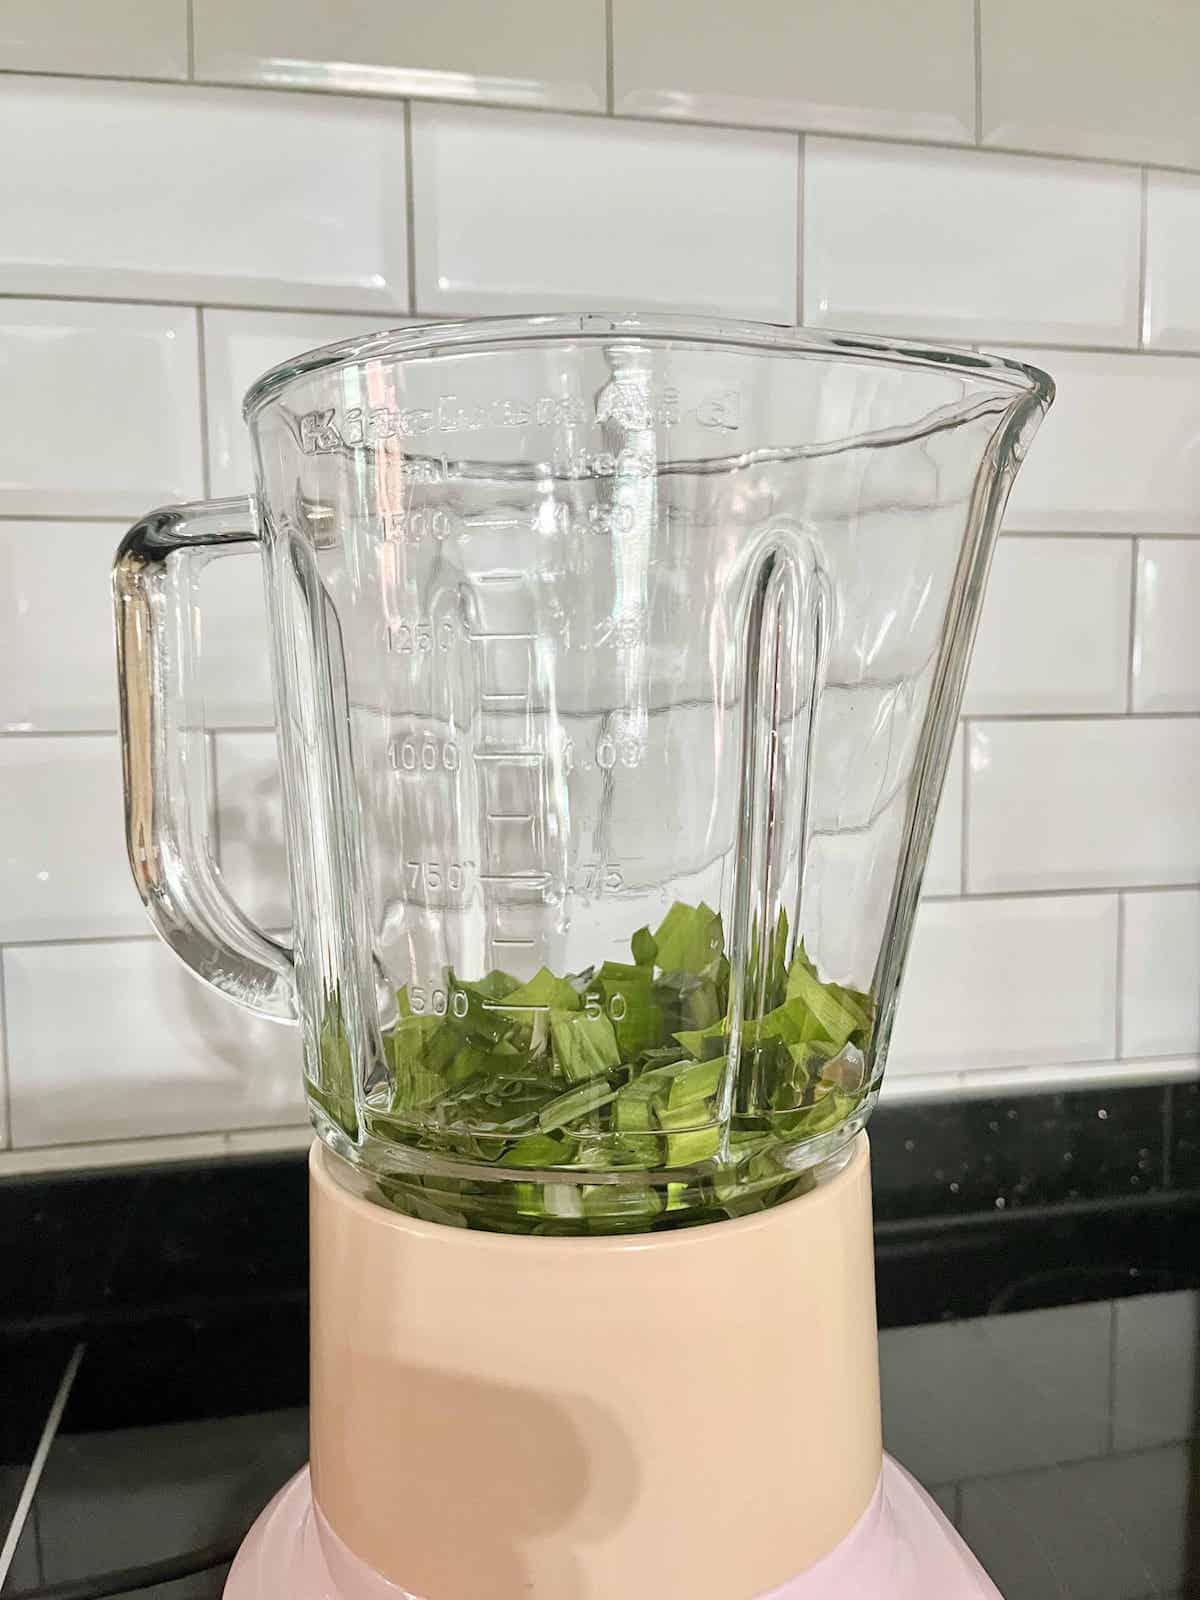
{"x": 509, "y": 755}
{"x": 534, "y": 879}
{"x": 500, "y": 577}
{"x": 482, "y": 520}
{"x": 515, "y": 944}
{"x": 498, "y": 1005}
{"x": 503, "y": 694}
{"x": 510, "y": 816}
{"x": 482, "y": 638}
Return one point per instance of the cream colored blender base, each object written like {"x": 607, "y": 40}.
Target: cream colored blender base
{"x": 678, "y": 1416}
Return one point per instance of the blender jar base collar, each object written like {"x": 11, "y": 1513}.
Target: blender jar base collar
{"x": 902, "y": 1548}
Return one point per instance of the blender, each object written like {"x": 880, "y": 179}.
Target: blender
{"x": 616, "y": 664}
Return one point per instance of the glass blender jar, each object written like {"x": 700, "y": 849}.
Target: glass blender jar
{"x": 617, "y": 663}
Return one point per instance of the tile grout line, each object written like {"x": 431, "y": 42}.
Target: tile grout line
{"x": 966, "y": 806}
{"x": 183, "y": 302}
{"x": 1121, "y": 717}
{"x": 5, "y": 1083}
{"x": 984, "y": 896}
{"x": 160, "y": 1145}
{"x": 1119, "y": 983}
{"x": 1020, "y": 719}
{"x": 82, "y": 940}
{"x": 609, "y": 60}
{"x": 978, "y": 66}
{"x": 1143, "y": 247}
{"x": 1067, "y": 1462}
{"x": 934, "y": 335}
{"x": 202, "y": 377}
{"x": 37, "y": 1466}
{"x": 123, "y": 519}
{"x": 1074, "y": 891}
{"x": 410, "y": 210}
{"x": 801, "y": 166}
{"x": 1070, "y": 535}
{"x": 1111, "y": 1431}
{"x": 16, "y": 735}
{"x": 1131, "y": 642}
{"x": 979, "y": 897}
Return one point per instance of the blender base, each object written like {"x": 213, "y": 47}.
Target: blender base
{"x": 901, "y": 1548}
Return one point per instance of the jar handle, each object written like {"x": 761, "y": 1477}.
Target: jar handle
{"x": 789, "y": 605}
{"x": 167, "y": 814}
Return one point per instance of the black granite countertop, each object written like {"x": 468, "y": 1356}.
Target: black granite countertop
{"x": 1037, "y": 1268}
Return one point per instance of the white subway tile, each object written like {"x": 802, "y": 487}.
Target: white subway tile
{"x": 58, "y": 668}
{"x": 250, "y": 826}
{"x": 169, "y": 193}
{"x": 943, "y": 870}
{"x": 233, "y": 667}
{"x": 1171, "y": 312}
{"x": 801, "y": 66}
{"x": 539, "y": 53}
{"x": 993, "y": 983}
{"x": 1055, "y": 630}
{"x": 122, "y": 38}
{"x": 518, "y": 212}
{"x": 112, "y": 1041}
{"x": 1099, "y": 803}
{"x": 99, "y": 407}
{"x": 1166, "y": 641}
{"x": 63, "y": 677}
{"x": 903, "y": 239}
{"x": 63, "y": 871}
{"x": 1160, "y": 985}
{"x": 1092, "y": 80}
{"x": 239, "y": 346}
{"x": 1117, "y": 453}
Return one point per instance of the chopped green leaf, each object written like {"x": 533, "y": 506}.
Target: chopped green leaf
{"x": 833, "y": 1017}
{"x": 689, "y": 939}
{"x": 584, "y": 1046}
{"x": 626, "y": 995}
{"x": 632, "y": 1111}
{"x": 690, "y": 1143}
{"x": 538, "y": 1150}
{"x": 576, "y": 1103}
{"x": 685, "y": 1083}
{"x": 543, "y": 992}
{"x": 704, "y": 1043}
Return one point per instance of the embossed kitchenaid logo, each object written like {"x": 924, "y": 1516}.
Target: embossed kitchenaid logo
{"x": 624, "y": 405}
